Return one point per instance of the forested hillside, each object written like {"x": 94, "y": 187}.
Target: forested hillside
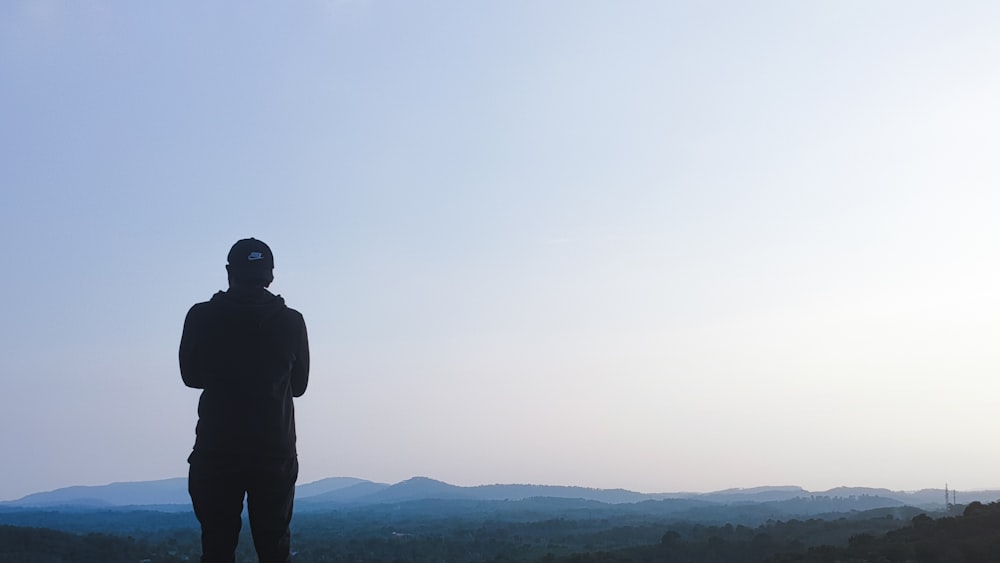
{"x": 538, "y": 531}
{"x": 40, "y": 545}
{"x": 973, "y": 537}
{"x": 391, "y": 533}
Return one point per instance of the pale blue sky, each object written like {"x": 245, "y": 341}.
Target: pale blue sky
{"x": 652, "y": 245}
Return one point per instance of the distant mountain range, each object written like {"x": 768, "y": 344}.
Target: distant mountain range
{"x": 335, "y": 492}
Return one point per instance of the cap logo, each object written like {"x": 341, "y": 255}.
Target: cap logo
{"x": 255, "y": 256}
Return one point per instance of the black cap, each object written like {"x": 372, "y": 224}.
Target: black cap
{"x": 251, "y": 258}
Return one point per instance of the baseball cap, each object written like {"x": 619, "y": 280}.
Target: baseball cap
{"x": 251, "y": 256}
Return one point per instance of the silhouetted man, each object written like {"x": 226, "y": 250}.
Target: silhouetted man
{"x": 250, "y": 355}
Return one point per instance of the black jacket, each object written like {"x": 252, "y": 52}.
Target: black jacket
{"x": 250, "y": 355}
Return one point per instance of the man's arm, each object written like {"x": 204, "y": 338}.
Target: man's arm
{"x": 300, "y": 369}
{"x": 192, "y": 371}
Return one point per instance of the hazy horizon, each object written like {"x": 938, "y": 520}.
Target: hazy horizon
{"x": 658, "y": 246}
{"x": 512, "y": 484}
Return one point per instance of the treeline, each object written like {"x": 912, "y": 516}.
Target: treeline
{"x": 740, "y": 544}
{"x": 879, "y": 536}
{"x": 39, "y": 545}
{"x": 348, "y": 538}
{"x": 973, "y": 537}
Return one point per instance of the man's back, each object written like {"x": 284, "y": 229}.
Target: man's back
{"x": 250, "y": 355}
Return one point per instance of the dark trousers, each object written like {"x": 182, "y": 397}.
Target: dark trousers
{"x": 218, "y": 483}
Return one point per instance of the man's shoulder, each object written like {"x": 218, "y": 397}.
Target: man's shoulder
{"x": 204, "y": 306}
{"x": 294, "y": 314}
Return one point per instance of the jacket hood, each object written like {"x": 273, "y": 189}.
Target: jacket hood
{"x": 255, "y": 302}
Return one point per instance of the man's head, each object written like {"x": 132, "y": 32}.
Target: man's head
{"x": 250, "y": 263}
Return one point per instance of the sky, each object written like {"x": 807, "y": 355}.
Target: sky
{"x": 659, "y": 246}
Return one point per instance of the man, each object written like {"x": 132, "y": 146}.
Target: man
{"x": 249, "y": 353}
